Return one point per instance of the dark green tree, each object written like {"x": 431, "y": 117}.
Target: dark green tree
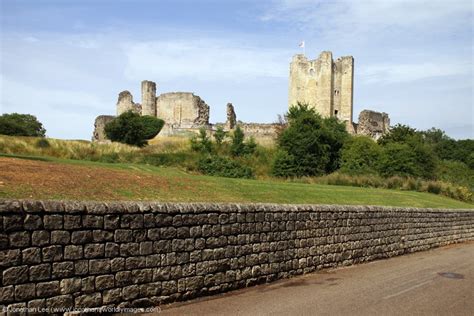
{"x": 16, "y": 124}
{"x": 133, "y": 129}
{"x": 238, "y": 146}
{"x": 220, "y": 135}
{"x": 312, "y": 143}
{"x": 360, "y": 155}
{"x": 201, "y": 142}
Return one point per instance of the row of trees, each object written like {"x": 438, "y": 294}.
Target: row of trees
{"x": 311, "y": 145}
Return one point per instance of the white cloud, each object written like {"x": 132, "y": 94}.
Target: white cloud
{"x": 204, "y": 60}
{"x": 393, "y": 73}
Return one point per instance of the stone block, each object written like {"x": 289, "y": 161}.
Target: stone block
{"x": 24, "y": 292}
{"x": 40, "y": 272}
{"x": 31, "y": 255}
{"x": 52, "y": 253}
{"x": 73, "y": 252}
{"x": 88, "y": 300}
{"x": 94, "y": 251}
{"x": 53, "y": 222}
{"x": 7, "y": 294}
{"x": 81, "y": 237}
{"x": 15, "y": 275}
{"x": 70, "y": 286}
{"x": 103, "y": 282}
{"x": 99, "y": 266}
{"x": 63, "y": 269}
{"x": 40, "y": 238}
{"x": 60, "y": 237}
{"x": 47, "y": 289}
{"x": 92, "y": 221}
{"x": 32, "y": 222}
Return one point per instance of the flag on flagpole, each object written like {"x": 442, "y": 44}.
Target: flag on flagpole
{"x": 301, "y": 44}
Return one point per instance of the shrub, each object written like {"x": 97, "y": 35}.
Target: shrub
{"x": 223, "y": 167}
{"x": 42, "y": 143}
{"x": 220, "y": 135}
{"x": 360, "y": 155}
{"x": 201, "y": 142}
{"x": 21, "y": 125}
{"x": 133, "y": 129}
{"x": 152, "y": 126}
{"x": 313, "y": 142}
{"x": 407, "y": 159}
{"x": 284, "y": 165}
{"x": 238, "y": 146}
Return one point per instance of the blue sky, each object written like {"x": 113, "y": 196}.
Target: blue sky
{"x": 66, "y": 61}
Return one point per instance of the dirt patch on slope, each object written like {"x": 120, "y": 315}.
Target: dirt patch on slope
{"x": 42, "y": 179}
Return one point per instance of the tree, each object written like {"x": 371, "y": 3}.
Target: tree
{"x": 201, "y": 142}
{"x": 133, "y": 129}
{"x": 400, "y": 134}
{"x": 360, "y": 155}
{"x": 152, "y": 126}
{"x": 407, "y": 159}
{"x": 220, "y": 135}
{"x": 312, "y": 144}
{"x": 16, "y": 124}
{"x": 238, "y": 146}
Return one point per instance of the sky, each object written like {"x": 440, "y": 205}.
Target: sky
{"x": 65, "y": 61}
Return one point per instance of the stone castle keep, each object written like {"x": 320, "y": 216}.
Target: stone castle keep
{"x": 326, "y": 85}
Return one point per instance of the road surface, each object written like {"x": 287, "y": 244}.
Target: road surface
{"x": 435, "y": 282}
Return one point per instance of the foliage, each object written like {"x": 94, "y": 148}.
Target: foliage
{"x": 201, "y": 142}
{"x": 219, "y": 136}
{"x": 42, "y": 143}
{"x": 312, "y": 144}
{"x": 133, "y": 129}
{"x": 399, "y": 134}
{"x": 223, "y": 167}
{"x": 407, "y": 159}
{"x": 455, "y": 172}
{"x": 21, "y": 125}
{"x": 284, "y": 165}
{"x": 360, "y": 155}
{"x": 153, "y": 126}
{"x": 238, "y": 146}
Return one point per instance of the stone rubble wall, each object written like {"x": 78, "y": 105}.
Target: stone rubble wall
{"x": 127, "y": 254}
{"x": 99, "y": 128}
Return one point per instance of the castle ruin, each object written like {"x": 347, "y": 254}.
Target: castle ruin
{"x": 324, "y": 84}
{"x": 328, "y": 87}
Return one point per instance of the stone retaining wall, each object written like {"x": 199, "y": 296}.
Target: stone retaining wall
{"x": 84, "y": 254}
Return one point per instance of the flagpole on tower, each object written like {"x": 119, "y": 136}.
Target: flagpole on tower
{"x": 302, "y": 45}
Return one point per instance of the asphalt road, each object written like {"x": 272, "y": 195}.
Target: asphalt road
{"x": 436, "y": 282}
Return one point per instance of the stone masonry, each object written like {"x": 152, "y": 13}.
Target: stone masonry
{"x": 57, "y": 254}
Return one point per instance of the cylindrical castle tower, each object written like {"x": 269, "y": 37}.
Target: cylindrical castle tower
{"x": 148, "y": 98}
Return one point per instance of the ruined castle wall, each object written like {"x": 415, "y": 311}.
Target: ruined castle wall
{"x": 373, "y": 124}
{"x": 99, "y": 126}
{"x": 347, "y": 88}
{"x": 148, "y": 98}
{"x": 182, "y": 110}
{"x": 95, "y": 254}
{"x": 125, "y": 102}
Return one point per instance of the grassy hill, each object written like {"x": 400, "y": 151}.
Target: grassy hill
{"x": 54, "y": 178}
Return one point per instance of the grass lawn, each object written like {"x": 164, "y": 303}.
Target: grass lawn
{"x": 52, "y": 178}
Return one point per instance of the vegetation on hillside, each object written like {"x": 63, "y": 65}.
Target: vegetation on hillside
{"x": 309, "y": 149}
{"x": 52, "y": 178}
{"x": 15, "y": 124}
{"x": 133, "y": 129}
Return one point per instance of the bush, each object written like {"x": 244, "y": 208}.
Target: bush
{"x": 223, "y": 167}
{"x": 42, "y": 143}
{"x": 133, "y": 129}
{"x": 220, "y": 135}
{"x": 21, "y": 125}
{"x": 407, "y": 159}
{"x": 360, "y": 155}
{"x": 202, "y": 142}
{"x": 284, "y": 165}
{"x": 240, "y": 148}
{"x": 312, "y": 143}
{"x": 152, "y": 126}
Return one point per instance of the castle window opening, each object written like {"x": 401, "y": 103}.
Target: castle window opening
{"x": 335, "y": 112}
{"x": 311, "y": 72}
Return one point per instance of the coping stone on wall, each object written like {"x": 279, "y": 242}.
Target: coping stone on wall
{"x": 124, "y": 207}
